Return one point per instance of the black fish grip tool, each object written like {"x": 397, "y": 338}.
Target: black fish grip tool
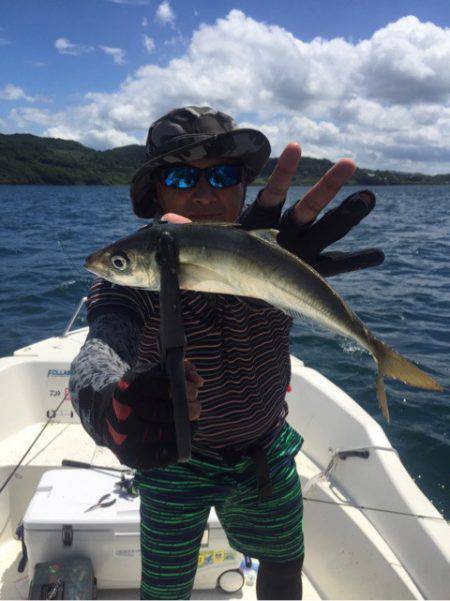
{"x": 172, "y": 341}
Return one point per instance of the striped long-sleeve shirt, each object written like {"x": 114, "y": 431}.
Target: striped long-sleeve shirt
{"x": 238, "y": 345}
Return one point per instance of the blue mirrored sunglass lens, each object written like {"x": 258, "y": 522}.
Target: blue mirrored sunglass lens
{"x": 224, "y": 176}
{"x": 181, "y": 177}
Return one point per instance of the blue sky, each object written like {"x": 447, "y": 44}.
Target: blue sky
{"x": 345, "y": 78}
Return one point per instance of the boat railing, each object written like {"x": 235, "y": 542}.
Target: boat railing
{"x": 74, "y": 316}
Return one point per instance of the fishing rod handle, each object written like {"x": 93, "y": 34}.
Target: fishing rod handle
{"x": 71, "y": 463}
{"x": 91, "y": 466}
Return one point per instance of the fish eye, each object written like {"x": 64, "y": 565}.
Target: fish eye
{"x": 120, "y": 261}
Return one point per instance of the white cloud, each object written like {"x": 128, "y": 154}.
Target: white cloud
{"x": 43, "y": 99}
{"x": 64, "y": 46}
{"x": 12, "y": 92}
{"x": 165, "y": 14}
{"x": 175, "y": 39}
{"x": 383, "y": 101}
{"x": 117, "y": 54}
{"x": 25, "y": 116}
{"x": 57, "y": 126}
{"x": 93, "y": 137}
{"x": 149, "y": 44}
{"x": 144, "y": 22}
{"x": 406, "y": 62}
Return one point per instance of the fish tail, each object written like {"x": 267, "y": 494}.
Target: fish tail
{"x": 381, "y": 396}
{"x": 392, "y": 364}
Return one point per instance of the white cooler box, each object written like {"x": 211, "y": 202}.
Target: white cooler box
{"x": 56, "y": 526}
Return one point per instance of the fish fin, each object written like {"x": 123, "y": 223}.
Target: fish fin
{"x": 290, "y": 312}
{"x": 391, "y": 363}
{"x": 287, "y": 310}
{"x": 381, "y": 396}
{"x": 202, "y": 279}
{"x": 268, "y": 235}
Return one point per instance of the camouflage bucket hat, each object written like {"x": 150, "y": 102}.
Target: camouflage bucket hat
{"x": 190, "y": 134}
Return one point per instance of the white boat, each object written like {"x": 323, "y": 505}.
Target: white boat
{"x": 370, "y": 532}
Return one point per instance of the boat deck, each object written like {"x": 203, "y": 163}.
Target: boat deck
{"x": 369, "y": 531}
{"x": 70, "y": 441}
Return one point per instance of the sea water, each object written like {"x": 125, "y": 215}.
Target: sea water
{"x": 47, "y": 232}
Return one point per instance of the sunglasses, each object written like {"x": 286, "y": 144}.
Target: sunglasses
{"x": 184, "y": 177}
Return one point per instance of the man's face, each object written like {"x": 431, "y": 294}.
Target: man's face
{"x": 203, "y": 202}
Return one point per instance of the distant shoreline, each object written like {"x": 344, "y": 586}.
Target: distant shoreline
{"x": 31, "y": 160}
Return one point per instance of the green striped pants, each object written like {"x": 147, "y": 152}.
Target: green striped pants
{"x": 175, "y": 504}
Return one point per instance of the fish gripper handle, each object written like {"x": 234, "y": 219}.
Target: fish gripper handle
{"x": 172, "y": 341}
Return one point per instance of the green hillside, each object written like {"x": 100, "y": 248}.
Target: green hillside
{"x": 27, "y": 159}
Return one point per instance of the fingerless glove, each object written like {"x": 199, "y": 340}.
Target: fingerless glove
{"x": 134, "y": 418}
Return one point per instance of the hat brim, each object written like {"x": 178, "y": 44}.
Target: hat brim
{"x": 249, "y": 146}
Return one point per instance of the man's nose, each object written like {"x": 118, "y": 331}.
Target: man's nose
{"x": 203, "y": 192}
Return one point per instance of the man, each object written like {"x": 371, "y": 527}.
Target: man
{"x": 237, "y": 367}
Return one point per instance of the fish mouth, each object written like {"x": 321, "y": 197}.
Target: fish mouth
{"x": 92, "y": 263}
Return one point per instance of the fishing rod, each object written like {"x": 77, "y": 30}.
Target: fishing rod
{"x": 21, "y": 460}
{"x": 92, "y": 466}
{"x": 172, "y": 340}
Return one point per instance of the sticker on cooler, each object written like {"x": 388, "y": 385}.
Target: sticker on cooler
{"x": 208, "y": 558}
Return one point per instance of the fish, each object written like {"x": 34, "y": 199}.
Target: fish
{"x": 222, "y": 258}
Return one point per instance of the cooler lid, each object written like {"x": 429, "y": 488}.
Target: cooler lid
{"x": 63, "y": 495}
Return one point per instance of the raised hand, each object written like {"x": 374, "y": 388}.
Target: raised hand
{"x": 308, "y": 207}
{"x": 298, "y": 232}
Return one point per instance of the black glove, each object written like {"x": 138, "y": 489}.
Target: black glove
{"x": 309, "y": 240}
{"x": 134, "y": 418}
{"x": 257, "y": 217}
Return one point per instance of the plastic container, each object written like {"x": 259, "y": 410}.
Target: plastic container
{"x": 71, "y": 579}
{"x": 57, "y": 527}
